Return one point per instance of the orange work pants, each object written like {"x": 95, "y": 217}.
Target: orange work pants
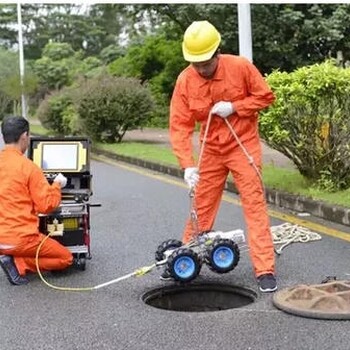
{"x": 52, "y": 255}
{"x": 213, "y": 173}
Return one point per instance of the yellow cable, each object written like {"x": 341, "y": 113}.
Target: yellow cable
{"x": 139, "y": 272}
{"x": 69, "y": 289}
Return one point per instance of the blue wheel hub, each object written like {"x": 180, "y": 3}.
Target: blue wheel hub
{"x": 223, "y": 257}
{"x": 184, "y": 267}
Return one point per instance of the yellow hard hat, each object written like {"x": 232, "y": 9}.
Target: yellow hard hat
{"x": 201, "y": 40}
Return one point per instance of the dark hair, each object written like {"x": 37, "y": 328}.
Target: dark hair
{"x": 13, "y": 127}
{"x": 216, "y": 53}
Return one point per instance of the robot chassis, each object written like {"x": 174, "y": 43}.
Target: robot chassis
{"x": 219, "y": 250}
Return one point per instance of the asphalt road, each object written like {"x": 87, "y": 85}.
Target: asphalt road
{"x": 139, "y": 210}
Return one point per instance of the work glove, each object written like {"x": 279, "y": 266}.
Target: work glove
{"x": 223, "y": 109}
{"x": 191, "y": 176}
{"x": 61, "y": 179}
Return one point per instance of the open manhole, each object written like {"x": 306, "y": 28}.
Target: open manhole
{"x": 199, "y": 297}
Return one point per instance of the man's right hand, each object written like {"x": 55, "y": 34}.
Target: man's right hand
{"x": 191, "y": 176}
{"x": 61, "y": 179}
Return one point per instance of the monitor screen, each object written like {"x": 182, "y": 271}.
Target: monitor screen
{"x": 66, "y": 155}
{"x": 63, "y": 157}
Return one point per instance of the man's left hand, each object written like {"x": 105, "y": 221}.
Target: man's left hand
{"x": 223, "y": 109}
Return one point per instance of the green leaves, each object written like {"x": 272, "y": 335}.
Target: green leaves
{"x": 109, "y": 106}
{"x": 309, "y": 122}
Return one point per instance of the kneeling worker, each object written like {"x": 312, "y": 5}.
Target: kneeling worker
{"x": 25, "y": 192}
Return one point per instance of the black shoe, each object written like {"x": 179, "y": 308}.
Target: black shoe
{"x": 165, "y": 276}
{"x": 10, "y": 269}
{"x": 267, "y": 283}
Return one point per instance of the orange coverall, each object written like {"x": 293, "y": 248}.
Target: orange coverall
{"x": 238, "y": 81}
{"x": 25, "y": 192}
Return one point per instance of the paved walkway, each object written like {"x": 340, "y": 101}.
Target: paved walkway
{"x": 161, "y": 136}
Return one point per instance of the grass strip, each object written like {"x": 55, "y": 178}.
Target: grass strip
{"x": 286, "y": 180}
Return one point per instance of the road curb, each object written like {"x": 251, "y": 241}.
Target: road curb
{"x": 296, "y": 203}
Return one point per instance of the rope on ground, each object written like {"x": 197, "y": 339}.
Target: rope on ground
{"x": 285, "y": 234}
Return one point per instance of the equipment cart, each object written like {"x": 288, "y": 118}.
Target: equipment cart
{"x": 69, "y": 224}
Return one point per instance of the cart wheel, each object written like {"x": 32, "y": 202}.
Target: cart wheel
{"x": 223, "y": 255}
{"x": 166, "y": 245}
{"x": 184, "y": 265}
{"x": 80, "y": 263}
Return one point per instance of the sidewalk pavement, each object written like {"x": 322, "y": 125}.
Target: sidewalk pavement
{"x": 161, "y": 136}
{"x": 293, "y": 202}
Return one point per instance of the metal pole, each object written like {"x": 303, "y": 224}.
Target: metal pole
{"x": 21, "y": 60}
{"x": 245, "y": 31}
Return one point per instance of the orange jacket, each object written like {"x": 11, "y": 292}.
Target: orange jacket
{"x": 24, "y": 192}
{"x": 235, "y": 80}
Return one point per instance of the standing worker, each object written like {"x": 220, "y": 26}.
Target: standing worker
{"x": 225, "y": 87}
{"x": 25, "y": 192}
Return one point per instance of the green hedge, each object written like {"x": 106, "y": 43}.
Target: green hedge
{"x": 310, "y": 124}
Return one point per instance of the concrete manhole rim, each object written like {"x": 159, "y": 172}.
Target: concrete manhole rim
{"x": 179, "y": 288}
{"x": 284, "y": 301}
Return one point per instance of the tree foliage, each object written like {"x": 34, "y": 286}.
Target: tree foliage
{"x": 60, "y": 66}
{"x": 111, "y": 53}
{"x": 109, "y": 106}
{"x": 11, "y": 88}
{"x": 52, "y": 74}
{"x": 309, "y": 122}
{"x": 7, "y": 69}
{"x": 301, "y": 34}
{"x": 157, "y": 61}
{"x": 86, "y": 28}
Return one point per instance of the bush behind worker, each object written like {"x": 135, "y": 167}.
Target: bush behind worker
{"x": 229, "y": 87}
{"x": 25, "y": 192}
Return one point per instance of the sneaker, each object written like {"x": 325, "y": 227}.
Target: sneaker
{"x": 165, "y": 276}
{"x": 10, "y": 269}
{"x": 267, "y": 283}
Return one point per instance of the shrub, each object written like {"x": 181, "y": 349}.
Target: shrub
{"x": 109, "y": 106}
{"x": 57, "y": 113}
{"x": 309, "y": 122}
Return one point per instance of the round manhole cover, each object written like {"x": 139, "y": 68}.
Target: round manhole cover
{"x": 199, "y": 297}
{"x": 324, "y": 301}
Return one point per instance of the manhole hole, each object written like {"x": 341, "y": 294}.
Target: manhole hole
{"x": 324, "y": 301}
{"x": 199, "y": 297}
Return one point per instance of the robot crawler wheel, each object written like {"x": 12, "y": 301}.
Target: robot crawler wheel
{"x": 223, "y": 255}
{"x": 166, "y": 245}
{"x": 184, "y": 265}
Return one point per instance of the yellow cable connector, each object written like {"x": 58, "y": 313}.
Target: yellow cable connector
{"x": 143, "y": 270}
